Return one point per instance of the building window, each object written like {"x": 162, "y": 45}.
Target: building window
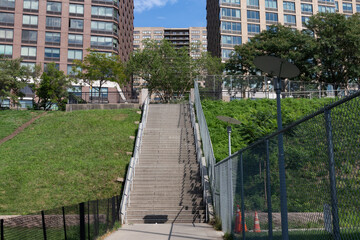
{"x": 290, "y": 19}
{"x": 158, "y": 37}
{"x": 52, "y": 38}
{"x": 229, "y": 12}
{"x": 231, "y": 26}
{"x": 102, "y": 26}
{"x": 156, "y": 32}
{"x": 6, "y": 35}
{"x": 26, "y": 103}
{"x": 31, "y": 5}
{"x": 76, "y": 9}
{"x": 53, "y": 7}
{"x": 75, "y": 54}
{"x": 146, "y": 37}
{"x": 146, "y": 32}
{"x": 253, "y": 28}
{"x": 252, "y": 3}
{"x": 102, "y": 11}
{"x": 53, "y": 23}
{"x": 347, "y": 7}
{"x": 136, "y": 37}
{"x": 226, "y": 53}
{"x": 306, "y": 8}
{"x": 7, "y": 19}
{"x": 271, "y": 17}
{"x": 29, "y": 65}
{"x": 289, "y": 6}
{"x": 195, "y": 32}
{"x": 28, "y": 36}
{"x": 304, "y": 20}
{"x": 7, "y": 4}
{"x": 271, "y": 4}
{"x": 75, "y": 39}
{"x": 52, "y": 53}
{"x": 6, "y": 50}
{"x": 76, "y": 24}
{"x": 326, "y": 9}
{"x": 357, "y": 7}
{"x": 231, "y": 1}
{"x": 253, "y": 15}
{"x": 28, "y": 52}
{"x": 30, "y": 20}
{"x": 232, "y": 40}
{"x": 103, "y": 42}
{"x": 57, "y": 66}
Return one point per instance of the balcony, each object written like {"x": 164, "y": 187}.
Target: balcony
{"x": 231, "y": 18}
{"x": 231, "y": 31}
{"x": 222, "y": 4}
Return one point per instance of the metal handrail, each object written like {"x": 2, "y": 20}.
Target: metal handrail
{"x": 203, "y": 166}
{"x": 125, "y": 200}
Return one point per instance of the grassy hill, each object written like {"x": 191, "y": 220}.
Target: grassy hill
{"x": 64, "y": 158}
{"x": 258, "y": 118}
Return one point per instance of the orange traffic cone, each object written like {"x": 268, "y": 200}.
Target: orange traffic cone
{"x": 256, "y": 223}
{"x": 238, "y": 223}
{"x": 237, "y": 220}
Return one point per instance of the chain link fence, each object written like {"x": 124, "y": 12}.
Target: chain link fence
{"x": 87, "y": 220}
{"x": 230, "y": 87}
{"x": 322, "y": 159}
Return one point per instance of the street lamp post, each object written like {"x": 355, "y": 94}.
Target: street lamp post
{"x": 280, "y": 68}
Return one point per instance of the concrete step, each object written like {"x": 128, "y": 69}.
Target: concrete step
{"x": 164, "y": 219}
{"x": 168, "y": 213}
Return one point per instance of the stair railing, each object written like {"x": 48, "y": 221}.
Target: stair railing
{"x": 201, "y": 161}
{"x": 125, "y": 200}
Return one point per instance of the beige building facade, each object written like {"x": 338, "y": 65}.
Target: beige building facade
{"x": 195, "y": 38}
{"x": 233, "y": 22}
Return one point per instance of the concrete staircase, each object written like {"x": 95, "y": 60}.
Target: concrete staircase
{"x": 167, "y": 185}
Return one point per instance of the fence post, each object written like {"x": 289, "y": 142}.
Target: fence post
{"x": 64, "y": 221}
{"x": 242, "y": 196}
{"x": 88, "y": 215}
{"x": 231, "y": 197}
{"x": 82, "y": 221}
{"x": 334, "y": 206}
{"x": 43, "y": 224}
{"x": 2, "y": 228}
{"x": 268, "y": 190}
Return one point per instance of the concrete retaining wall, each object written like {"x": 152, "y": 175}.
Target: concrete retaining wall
{"x": 76, "y": 107}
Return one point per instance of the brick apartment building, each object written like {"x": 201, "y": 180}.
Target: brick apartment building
{"x": 42, "y": 31}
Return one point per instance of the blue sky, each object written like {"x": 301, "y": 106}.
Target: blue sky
{"x": 170, "y": 13}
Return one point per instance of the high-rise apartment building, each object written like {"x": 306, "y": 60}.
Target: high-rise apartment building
{"x": 195, "y": 38}
{"x": 43, "y": 31}
{"x": 233, "y": 22}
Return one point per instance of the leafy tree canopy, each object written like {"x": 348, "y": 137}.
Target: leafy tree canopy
{"x": 328, "y": 51}
{"x": 169, "y": 71}
{"x": 100, "y": 67}
{"x": 52, "y": 88}
{"x": 14, "y": 77}
{"x": 337, "y": 50}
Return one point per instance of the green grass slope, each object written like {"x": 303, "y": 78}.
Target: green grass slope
{"x": 258, "y": 118}
{"x": 66, "y": 158}
{"x": 11, "y": 120}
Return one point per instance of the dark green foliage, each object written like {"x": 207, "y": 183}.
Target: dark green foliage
{"x": 52, "y": 88}
{"x": 258, "y": 118}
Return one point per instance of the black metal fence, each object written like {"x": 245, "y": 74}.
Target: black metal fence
{"x": 82, "y": 221}
{"x": 102, "y": 98}
{"x": 322, "y": 176}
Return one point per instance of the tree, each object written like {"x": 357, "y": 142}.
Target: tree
{"x": 52, "y": 88}
{"x": 14, "y": 77}
{"x": 338, "y": 47}
{"x": 100, "y": 68}
{"x": 169, "y": 71}
{"x": 284, "y": 42}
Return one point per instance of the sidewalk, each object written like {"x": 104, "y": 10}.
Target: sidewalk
{"x": 180, "y": 231}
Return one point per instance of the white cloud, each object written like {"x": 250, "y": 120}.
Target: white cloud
{"x": 142, "y": 5}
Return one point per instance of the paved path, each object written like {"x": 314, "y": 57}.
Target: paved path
{"x": 178, "y": 231}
